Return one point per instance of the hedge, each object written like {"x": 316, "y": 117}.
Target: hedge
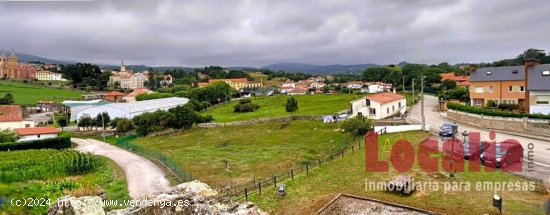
{"x": 486, "y": 112}
{"x": 60, "y": 142}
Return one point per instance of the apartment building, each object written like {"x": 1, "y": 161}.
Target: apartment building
{"x": 49, "y": 76}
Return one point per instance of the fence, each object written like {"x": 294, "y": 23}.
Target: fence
{"x": 260, "y": 185}
{"x": 125, "y": 143}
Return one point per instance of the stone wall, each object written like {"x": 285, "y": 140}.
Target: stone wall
{"x": 519, "y": 125}
{"x": 260, "y": 120}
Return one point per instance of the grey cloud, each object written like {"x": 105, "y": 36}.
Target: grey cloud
{"x": 259, "y": 32}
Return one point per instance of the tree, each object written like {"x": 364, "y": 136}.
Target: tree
{"x": 291, "y": 105}
{"x": 7, "y": 135}
{"x": 62, "y": 122}
{"x": 153, "y": 121}
{"x": 185, "y": 117}
{"x": 123, "y": 125}
{"x": 358, "y": 125}
{"x": 7, "y": 99}
{"x": 102, "y": 120}
{"x": 85, "y": 74}
{"x": 85, "y": 122}
{"x": 448, "y": 84}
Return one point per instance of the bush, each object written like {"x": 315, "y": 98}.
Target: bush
{"x": 244, "y": 108}
{"x": 60, "y": 142}
{"x": 509, "y": 107}
{"x": 244, "y": 101}
{"x": 486, "y": 112}
{"x": 143, "y": 97}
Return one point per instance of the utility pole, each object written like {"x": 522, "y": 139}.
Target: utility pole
{"x": 403, "y": 83}
{"x": 103, "y": 125}
{"x": 422, "y": 103}
{"x": 413, "y": 90}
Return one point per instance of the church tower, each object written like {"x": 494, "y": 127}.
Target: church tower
{"x": 122, "y": 67}
{"x": 12, "y": 65}
{"x": 3, "y": 62}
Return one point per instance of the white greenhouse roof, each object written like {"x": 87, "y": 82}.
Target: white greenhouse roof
{"x": 148, "y": 105}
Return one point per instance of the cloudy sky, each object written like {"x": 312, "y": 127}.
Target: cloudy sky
{"x": 261, "y": 32}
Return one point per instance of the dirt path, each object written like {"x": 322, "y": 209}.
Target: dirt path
{"x": 143, "y": 176}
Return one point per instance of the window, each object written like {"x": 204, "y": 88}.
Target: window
{"x": 367, "y": 102}
{"x": 477, "y": 102}
{"x": 543, "y": 100}
{"x": 392, "y": 108}
{"x": 399, "y": 105}
{"x": 479, "y": 90}
{"x": 38, "y": 136}
{"x": 515, "y": 71}
{"x": 545, "y": 73}
{"x": 522, "y": 89}
{"x": 388, "y": 110}
{"x": 490, "y": 89}
{"x": 489, "y": 73}
{"x": 510, "y": 88}
{"x": 372, "y": 111}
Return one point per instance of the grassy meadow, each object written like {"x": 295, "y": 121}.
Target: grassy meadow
{"x": 274, "y": 106}
{"x": 27, "y": 94}
{"x": 250, "y": 151}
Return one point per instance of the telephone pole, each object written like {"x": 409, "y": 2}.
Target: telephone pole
{"x": 422, "y": 103}
{"x": 413, "y": 90}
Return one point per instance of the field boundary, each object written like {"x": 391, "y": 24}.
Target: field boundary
{"x": 259, "y": 120}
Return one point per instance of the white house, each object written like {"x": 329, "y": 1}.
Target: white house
{"x": 379, "y": 106}
{"x": 378, "y": 87}
{"x": 49, "y": 76}
{"x": 37, "y": 133}
{"x": 11, "y": 117}
{"x": 317, "y": 85}
{"x": 355, "y": 85}
{"x": 288, "y": 84}
{"x": 539, "y": 89}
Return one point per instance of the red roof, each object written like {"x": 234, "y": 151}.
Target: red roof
{"x": 383, "y": 98}
{"x": 464, "y": 83}
{"x": 36, "y": 130}
{"x": 10, "y": 113}
{"x": 138, "y": 91}
{"x": 452, "y": 76}
{"x": 114, "y": 93}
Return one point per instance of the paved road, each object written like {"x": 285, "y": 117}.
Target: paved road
{"x": 541, "y": 150}
{"x": 142, "y": 176}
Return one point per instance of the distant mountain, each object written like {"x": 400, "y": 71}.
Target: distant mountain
{"x": 28, "y": 58}
{"x": 140, "y": 68}
{"x": 316, "y": 69}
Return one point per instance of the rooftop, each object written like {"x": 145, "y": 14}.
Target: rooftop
{"x": 10, "y": 113}
{"x": 504, "y": 73}
{"x": 383, "y": 98}
{"x": 539, "y": 77}
{"x": 36, "y": 130}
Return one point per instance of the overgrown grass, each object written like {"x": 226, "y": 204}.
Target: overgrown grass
{"x": 27, "y": 94}
{"x": 308, "y": 193}
{"x": 250, "y": 151}
{"x": 106, "y": 177}
{"x": 274, "y": 106}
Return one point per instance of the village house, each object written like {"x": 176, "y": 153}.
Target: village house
{"x": 12, "y": 117}
{"x": 379, "y": 106}
{"x": 538, "y": 86}
{"x": 288, "y": 84}
{"x": 114, "y": 96}
{"x": 355, "y": 85}
{"x": 131, "y": 97}
{"x": 37, "y": 133}
{"x": 377, "y": 87}
{"x": 235, "y": 83}
{"x": 49, "y": 76}
{"x": 462, "y": 81}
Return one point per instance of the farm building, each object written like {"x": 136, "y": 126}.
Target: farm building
{"x": 36, "y": 133}
{"x": 11, "y": 117}
{"x": 132, "y": 109}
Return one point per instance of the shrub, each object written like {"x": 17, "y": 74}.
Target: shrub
{"x": 509, "y": 107}
{"x": 244, "y": 101}
{"x": 244, "y": 108}
{"x": 143, "y": 97}
{"x": 60, "y": 142}
{"x": 469, "y": 109}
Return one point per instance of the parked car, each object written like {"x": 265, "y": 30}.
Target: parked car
{"x": 448, "y": 130}
{"x": 469, "y": 150}
{"x": 501, "y": 155}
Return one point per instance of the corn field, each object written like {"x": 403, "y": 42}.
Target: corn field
{"x": 18, "y": 166}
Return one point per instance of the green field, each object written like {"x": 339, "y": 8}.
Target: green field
{"x": 308, "y": 193}
{"x": 27, "y": 94}
{"x": 251, "y": 151}
{"x": 274, "y": 106}
{"x": 51, "y": 174}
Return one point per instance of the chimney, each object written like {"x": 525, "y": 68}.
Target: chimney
{"x": 528, "y": 63}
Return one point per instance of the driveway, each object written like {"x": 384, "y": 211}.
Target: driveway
{"x": 541, "y": 150}
{"x": 142, "y": 176}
